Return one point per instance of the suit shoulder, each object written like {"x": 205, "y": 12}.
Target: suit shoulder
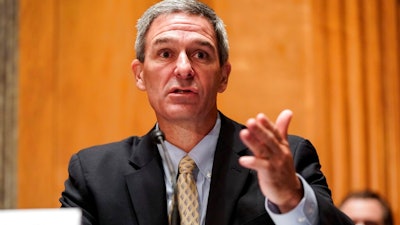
{"x": 298, "y": 141}
{"x": 113, "y": 149}
{"x": 295, "y": 138}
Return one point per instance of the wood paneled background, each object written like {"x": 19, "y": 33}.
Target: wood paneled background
{"x": 335, "y": 63}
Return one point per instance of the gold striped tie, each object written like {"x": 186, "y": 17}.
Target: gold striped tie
{"x": 188, "y": 202}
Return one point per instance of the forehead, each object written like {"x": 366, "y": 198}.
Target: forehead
{"x": 181, "y": 24}
{"x": 363, "y": 209}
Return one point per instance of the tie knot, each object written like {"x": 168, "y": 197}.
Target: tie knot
{"x": 186, "y": 165}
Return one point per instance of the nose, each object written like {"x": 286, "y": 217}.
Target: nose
{"x": 184, "y": 68}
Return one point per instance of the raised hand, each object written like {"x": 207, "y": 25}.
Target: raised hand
{"x": 272, "y": 159}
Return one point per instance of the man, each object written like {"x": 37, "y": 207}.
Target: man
{"x": 243, "y": 175}
{"x": 367, "y": 208}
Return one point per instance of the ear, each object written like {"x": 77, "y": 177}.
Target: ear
{"x": 226, "y": 70}
{"x": 137, "y": 69}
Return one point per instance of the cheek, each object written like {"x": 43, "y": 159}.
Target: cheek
{"x": 152, "y": 88}
{"x": 154, "y": 95}
{"x": 150, "y": 80}
{"x": 155, "y": 85}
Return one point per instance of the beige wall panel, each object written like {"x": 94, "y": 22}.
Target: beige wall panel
{"x": 267, "y": 41}
{"x": 36, "y": 177}
{"x": 97, "y": 101}
{"x": 76, "y": 90}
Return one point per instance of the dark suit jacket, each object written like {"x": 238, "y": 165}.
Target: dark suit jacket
{"x": 122, "y": 183}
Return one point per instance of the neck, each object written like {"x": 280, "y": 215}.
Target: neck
{"x": 187, "y": 134}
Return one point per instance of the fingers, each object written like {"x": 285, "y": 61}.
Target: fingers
{"x": 283, "y": 121}
{"x": 272, "y": 158}
{"x": 258, "y": 147}
{"x": 252, "y": 162}
{"x": 264, "y": 137}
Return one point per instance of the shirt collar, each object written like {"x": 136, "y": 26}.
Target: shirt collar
{"x": 202, "y": 153}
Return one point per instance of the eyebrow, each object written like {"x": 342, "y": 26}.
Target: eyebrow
{"x": 162, "y": 41}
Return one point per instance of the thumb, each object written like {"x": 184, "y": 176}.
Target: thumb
{"x": 283, "y": 121}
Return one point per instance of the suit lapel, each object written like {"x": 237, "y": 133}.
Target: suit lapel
{"x": 228, "y": 177}
{"x": 146, "y": 185}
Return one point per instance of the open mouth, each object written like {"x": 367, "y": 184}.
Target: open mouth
{"x": 179, "y": 91}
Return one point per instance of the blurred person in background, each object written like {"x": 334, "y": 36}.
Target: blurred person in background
{"x": 367, "y": 208}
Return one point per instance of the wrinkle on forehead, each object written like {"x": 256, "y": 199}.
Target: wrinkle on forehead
{"x": 169, "y": 23}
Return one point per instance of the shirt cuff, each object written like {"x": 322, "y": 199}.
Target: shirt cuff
{"x": 306, "y": 212}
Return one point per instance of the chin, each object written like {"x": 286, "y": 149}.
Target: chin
{"x": 182, "y": 114}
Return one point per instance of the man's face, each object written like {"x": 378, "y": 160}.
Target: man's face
{"x": 364, "y": 211}
{"x": 181, "y": 71}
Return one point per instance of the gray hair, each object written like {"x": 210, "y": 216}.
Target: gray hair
{"x": 192, "y": 7}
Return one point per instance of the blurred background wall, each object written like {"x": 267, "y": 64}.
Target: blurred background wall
{"x": 335, "y": 63}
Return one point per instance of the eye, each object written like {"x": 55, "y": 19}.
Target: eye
{"x": 201, "y": 55}
{"x": 165, "y": 54}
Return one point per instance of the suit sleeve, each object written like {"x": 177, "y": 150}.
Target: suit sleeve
{"x": 308, "y": 166}
{"x": 76, "y": 193}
